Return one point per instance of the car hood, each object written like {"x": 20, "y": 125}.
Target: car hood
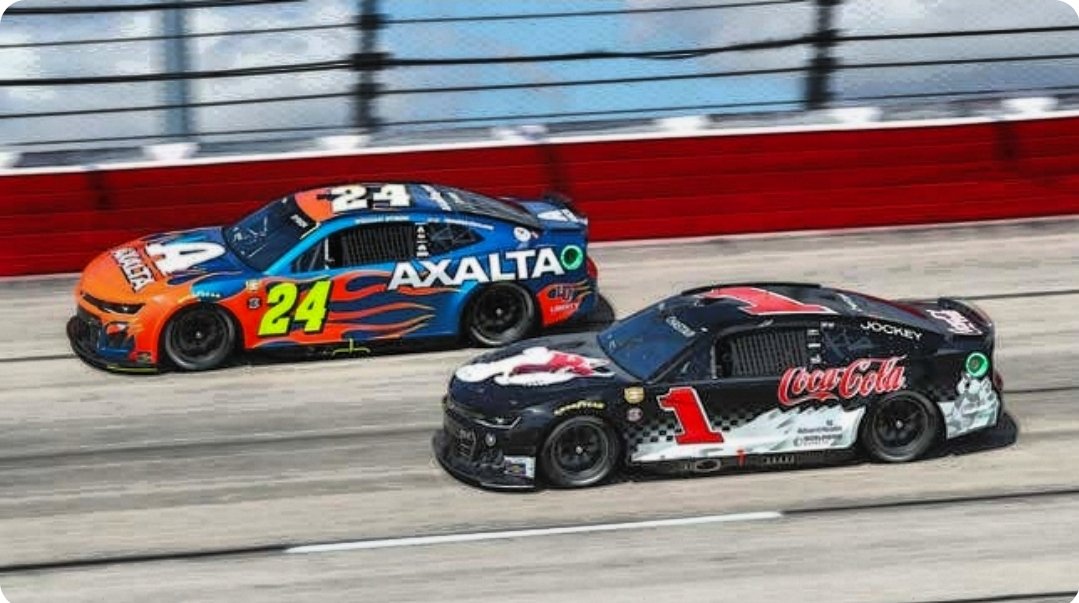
{"x": 536, "y": 371}
{"x": 141, "y": 269}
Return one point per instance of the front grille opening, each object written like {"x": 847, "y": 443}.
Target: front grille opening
{"x": 111, "y": 307}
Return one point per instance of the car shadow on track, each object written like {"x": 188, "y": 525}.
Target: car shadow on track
{"x": 1003, "y": 435}
{"x": 602, "y": 316}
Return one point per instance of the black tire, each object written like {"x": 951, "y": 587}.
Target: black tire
{"x": 580, "y": 451}
{"x": 199, "y": 338}
{"x": 900, "y": 428}
{"x": 499, "y": 315}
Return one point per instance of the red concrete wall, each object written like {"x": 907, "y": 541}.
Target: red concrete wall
{"x": 629, "y": 188}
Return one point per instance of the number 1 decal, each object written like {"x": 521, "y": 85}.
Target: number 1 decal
{"x": 281, "y": 299}
{"x": 687, "y": 408}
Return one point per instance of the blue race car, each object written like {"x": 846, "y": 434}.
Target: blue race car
{"x": 338, "y": 269}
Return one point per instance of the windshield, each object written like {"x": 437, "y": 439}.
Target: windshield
{"x": 264, "y": 236}
{"x": 647, "y": 341}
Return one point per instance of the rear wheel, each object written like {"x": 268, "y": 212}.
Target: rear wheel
{"x": 500, "y": 314}
{"x": 900, "y": 428}
{"x": 199, "y": 338}
{"x": 581, "y": 451}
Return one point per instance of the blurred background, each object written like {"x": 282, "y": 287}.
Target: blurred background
{"x": 84, "y": 80}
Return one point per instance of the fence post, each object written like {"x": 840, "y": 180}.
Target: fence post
{"x": 368, "y": 63}
{"x": 821, "y": 67}
{"x": 178, "y": 120}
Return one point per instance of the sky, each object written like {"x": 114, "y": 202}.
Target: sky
{"x": 627, "y": 32}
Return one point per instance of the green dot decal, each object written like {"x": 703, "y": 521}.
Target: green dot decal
{"x": 977, "y": 365}
{"x": 572, "y": 257}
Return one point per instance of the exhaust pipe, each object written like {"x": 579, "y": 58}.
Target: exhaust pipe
{"x": 705, "y": 466}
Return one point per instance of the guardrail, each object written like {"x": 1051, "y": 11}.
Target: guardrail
{"x": 661, "y": 185}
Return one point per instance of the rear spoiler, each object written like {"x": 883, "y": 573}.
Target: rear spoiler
{"x": 563, "y": 200}
{"x": 976, "y": 317}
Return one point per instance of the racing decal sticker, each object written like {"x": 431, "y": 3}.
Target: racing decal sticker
{"x": 519, "y": 466}
{"x": 560, "y": 301}
{"x": 355, "y": 306}
{"x": 633, "y": 395}
{"x": 136, "y": 272}
{"x": 976, "y": 407}
{"x": 579, "y": 406}
{"x": 957, "y": 323}
{"x": 861, "y": 378}
{"x": 177, "y": 257}
{"x": 535, "y": 367}
{"x": 281, "y": 300}
{"x": 571, "y": 257}
{"x": 688, "y": 409}
{"x": 680, "y": 327}
{"x": 805, "y": 429}
{"x": 761, "y": 302}
{"x": 373, "y": 196}
{"x": 978, "y": 404}
{"x": 896, "y": 331}
{"x": 523, "y": 265}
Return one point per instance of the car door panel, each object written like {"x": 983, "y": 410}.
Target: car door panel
{"x": 739, "y": 413}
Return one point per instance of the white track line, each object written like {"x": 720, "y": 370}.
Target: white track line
{"x": 390, "y": 543}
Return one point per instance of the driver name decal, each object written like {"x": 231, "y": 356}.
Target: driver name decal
{"x": 861, "y": 378}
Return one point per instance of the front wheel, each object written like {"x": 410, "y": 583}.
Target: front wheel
{"x": 199, "y": 338}
{"x": 581, "y": 451}
{"x": 900, "y": 428}
{"x": 499, "y": 315}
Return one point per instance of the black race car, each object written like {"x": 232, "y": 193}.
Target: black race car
{"x": 724, "y": 376}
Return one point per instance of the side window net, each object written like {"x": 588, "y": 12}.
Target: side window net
{"x": 374, "y": 243}
{"x": 765, "y": 354}
{"x": 444, "y": 238}
{"x": 367, "y": 244}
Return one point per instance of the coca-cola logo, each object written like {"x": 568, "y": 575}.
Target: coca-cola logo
{"x": 859, "y": 379}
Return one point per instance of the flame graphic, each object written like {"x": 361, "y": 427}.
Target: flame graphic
{"x": 359, "y": 301}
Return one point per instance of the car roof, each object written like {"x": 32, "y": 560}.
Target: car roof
{"x": 725, "y": 306}
{"x": 423, "y": 197}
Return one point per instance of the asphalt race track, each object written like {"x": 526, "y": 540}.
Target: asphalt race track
{"x": 195, "y": 487}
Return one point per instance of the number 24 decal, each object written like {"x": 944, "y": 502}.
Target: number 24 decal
{"x": 281, "y": 299}
{"x": 348, "y": 198}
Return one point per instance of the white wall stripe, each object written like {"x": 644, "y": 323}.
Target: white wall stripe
{"x": 568, "y": 139}
{"x": 531, "y": 533}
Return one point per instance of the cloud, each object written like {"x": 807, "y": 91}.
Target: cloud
{"x": 511, "y": 38}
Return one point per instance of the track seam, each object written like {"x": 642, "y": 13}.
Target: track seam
{"x": 1005, "y": 598}
{"x": 435, "y": 539}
